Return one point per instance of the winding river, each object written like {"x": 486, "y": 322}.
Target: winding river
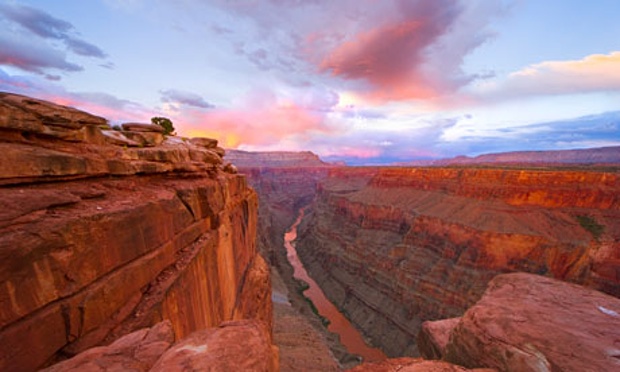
{"x": 339, "y": 324}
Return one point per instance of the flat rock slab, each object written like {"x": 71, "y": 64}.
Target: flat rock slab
{"x": 208, "y": 143}
{"x": 526, "y": 322}
{"x": 142, "y": 127}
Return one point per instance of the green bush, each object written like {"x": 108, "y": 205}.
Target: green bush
{"x": 588, "y": 223}
{"x": 164, "y": 123}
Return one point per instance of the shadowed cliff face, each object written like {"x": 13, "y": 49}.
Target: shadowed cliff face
{"x": 103, "y": 232}
{"x": 394, "y": 247}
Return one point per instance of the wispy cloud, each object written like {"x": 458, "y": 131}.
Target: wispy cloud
{"x": 33, "y": 57}
{"x": 179, "y": 97}
{"x": 24, "y": 47}
{"x": 392, "y": 50}
{"x": 261, "y": 118}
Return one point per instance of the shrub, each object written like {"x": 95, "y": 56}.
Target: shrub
{"x": 164, "y": 123}
{"x": 588, "y": 223}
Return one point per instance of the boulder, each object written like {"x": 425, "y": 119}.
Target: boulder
{"x": 526, "y": 322}
{"x": 412, "y": 365}
{"x": 27, "y": 116}
{"x": 137, "y": 351}
{"x": 142, "y": 127}
{"x": 230, "y": 168}
{"x": 208, "y": 143}
{"x": 234, "y": 346}
{"x": 220, "y": 151}
{"x": 434, "y": 336}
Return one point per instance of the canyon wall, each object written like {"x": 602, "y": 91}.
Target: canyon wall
{"x": 393, "y": 247}
{"x": 104, "y": 232}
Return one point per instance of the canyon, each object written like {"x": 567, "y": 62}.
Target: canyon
{"x": 393, "y": 247}
{"x": 422, "y": 244}
{"x": 129, "y": 249}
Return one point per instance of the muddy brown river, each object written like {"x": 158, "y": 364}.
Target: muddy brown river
{"x": 350, "y": 337}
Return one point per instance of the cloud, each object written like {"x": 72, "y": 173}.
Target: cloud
{"x": 261, "y": 118}
{"x": 593, "y": 73}
{"x": 18, "y": 48}
{"x": 179, "y": 97}
{"x": 415, "y": 52}
{"x": 390, "y": 56}
{"x": 581, "y": 132}
{"x": 33, "y": 57}
{"x": 103, "y": 104}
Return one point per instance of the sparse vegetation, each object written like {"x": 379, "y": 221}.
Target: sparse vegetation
{"x": 164, "y": 123}
{"x": 590, "y": 224}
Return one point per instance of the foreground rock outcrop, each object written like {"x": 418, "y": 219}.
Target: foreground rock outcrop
{"x": 393, "y": 247}
{"x": 526, "y": 322}
{"x": 103, "y": 232}
{"x": 238, "y": 345}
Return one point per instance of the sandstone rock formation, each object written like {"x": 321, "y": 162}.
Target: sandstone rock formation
{"x": 434, "y": 337}
{"x": 101, "y": 235}
{"x": 233, "y": 346}
{"x": 413, "y": 365}
{"x": 527, "y": 322}
{"x": 393, "y": 247}
{"x": 239, "y": 345}
{"x": 137, "y": 351}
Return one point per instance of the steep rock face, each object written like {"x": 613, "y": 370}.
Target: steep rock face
{"x": 395, "y": 247}
{"x": 526, "y": 322}
{"x": 102, "y": 235}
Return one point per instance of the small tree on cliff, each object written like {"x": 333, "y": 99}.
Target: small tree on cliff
{"x": 164, "y": 123}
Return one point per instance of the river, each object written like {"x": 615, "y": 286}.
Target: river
{"x": 339, "y": 324}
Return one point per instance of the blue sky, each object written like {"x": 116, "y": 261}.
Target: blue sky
{"x": 358, "y": 80}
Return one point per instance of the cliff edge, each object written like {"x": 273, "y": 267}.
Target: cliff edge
{"x": 104, "y": 232}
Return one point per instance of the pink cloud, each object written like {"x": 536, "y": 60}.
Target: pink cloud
{"x": 262, "y": 125}
{"x": 593, "y": 73}
{"x": 393, "y": 56}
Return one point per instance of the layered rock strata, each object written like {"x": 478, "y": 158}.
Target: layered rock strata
{"x": 102, "y": 235}
{"x": 393, "y": 247}
{"x": 527, "y": 322}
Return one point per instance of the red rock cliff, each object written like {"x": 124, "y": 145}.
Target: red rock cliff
{"x": 393, "y": 247}
{"x": 103, "y": 232}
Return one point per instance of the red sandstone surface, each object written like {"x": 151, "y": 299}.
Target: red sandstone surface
{"x": 104, "y": 232}
{"x": 413, "y": 365}
{"x": 239, "y": 345}
{"x": 526, "y": 322}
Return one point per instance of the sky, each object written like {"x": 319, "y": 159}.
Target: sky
{"x": 360, "y": 81}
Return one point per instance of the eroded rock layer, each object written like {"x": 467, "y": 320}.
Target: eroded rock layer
{"x": 526, "y": 322}
{"x": 393, "y": 247}
{"x": 104, "y": 232}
